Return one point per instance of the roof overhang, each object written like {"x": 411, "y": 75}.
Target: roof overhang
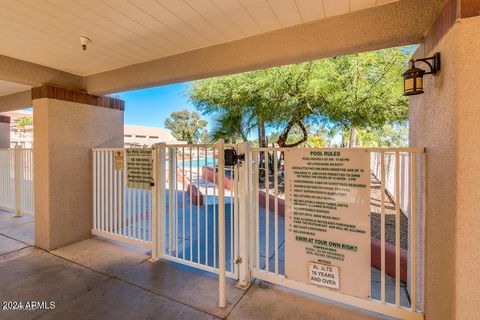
{"x": 393, "y": 24}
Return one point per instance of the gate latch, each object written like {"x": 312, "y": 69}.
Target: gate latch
{"x": 232, "y": 158}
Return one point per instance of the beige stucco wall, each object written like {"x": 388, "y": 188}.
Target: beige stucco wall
{"x": 4, "y": 135}
{"x": 446, "y": 120}
{"x": 64, "y": 133}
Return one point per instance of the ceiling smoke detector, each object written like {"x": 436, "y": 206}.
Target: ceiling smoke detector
{"x": 84, "y": 41}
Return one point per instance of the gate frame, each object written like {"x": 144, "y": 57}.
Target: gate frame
{"x": 159, "y": 201}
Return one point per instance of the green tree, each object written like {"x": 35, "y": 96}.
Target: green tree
{"x": 283, "y": 97}
{"x": 186, "y": 126}
{"x": 365, "y": 90}
{"x": 390, "y": 135}
{"x": 352, "y": 92}
{"x": 22, "y": 122}
{"x": 204, "y": 136}
{"x": 316, "y": 138}
{"x": 231, "y": 128}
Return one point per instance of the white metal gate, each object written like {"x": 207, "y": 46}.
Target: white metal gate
{"x": 198, "y": 207}
{"x": 228, "y": 220}
{"x": 267, "y": 239}
{"x": 190, "y": 216}
{"x": 16, "y": 181}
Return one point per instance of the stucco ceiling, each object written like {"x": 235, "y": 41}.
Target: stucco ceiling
{"x": 126, "y": 32}
{"x": 7, "y": 87}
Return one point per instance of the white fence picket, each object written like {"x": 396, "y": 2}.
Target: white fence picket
{"x": 119, "y": 212}
{"x": 16, "y": 181}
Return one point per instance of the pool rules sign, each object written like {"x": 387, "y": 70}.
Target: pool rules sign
{"x": 139, "y": 168}
{"x": 327, "y": 219}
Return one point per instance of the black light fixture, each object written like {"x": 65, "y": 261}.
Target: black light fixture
{"x": 413, "y": 77}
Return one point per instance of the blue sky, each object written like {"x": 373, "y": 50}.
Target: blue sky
{"x": 150, "y": 107}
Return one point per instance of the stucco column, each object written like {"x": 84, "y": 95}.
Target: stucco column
{"x": 4, "y": 132}
{"x": 67, "y": 124}
{"x": 446, "y": 120}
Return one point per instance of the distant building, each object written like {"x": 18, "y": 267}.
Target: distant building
{"x": 134, "y": 136}
{"x": 146, "y": 136}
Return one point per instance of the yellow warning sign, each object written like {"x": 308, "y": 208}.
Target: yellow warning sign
{"x": 118, "y": 160}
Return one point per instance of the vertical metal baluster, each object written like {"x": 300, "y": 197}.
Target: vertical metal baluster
{"x": 120, "y": 202}
{"x": 23, "y": 197}
{"x": 115, "y": 194}
{"x": 103, "y": 193}
{"x": 206, "y": 206}
{"x": 33, "y": 180}
{"x": 382, "y": 190}
{"x": 161, "y": 176}
{"x": 95, "y": 196}
{"x": 131, "y": 211}
{"x": 275, "y": 185}
{"x": 198, "y": 204}
{"x": 150, "y": 213}
{"x": 144, "y": 222}
{"x": 222, "y": 290}
{"x": 176, "y": 203}
{"x": 100, "y": 190}
{"x": 397, "y": 229}
{"x": 124, "y": 195}
{"x": 413, "y": 231}
{"x": 140, "y": 214}
{"x": 183, "y": 203}
{"x": 236, "y": 207}
{"x": 110, "y": 190}
{"x": 256, "y": 165}
{"x": 171, "y": 199}
{"x": 191, "y": 204}
{"x": 231, "y": 220}
{"x": 136, "y": 201}
{"x": 267, "y": 212}
{"x": 215, "y": 203}
{"x": 22, "y": 181}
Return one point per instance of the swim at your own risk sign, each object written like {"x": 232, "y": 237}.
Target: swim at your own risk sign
{"x": 327, "y": 226}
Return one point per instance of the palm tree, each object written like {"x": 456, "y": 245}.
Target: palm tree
{"x": 231, "y": 127}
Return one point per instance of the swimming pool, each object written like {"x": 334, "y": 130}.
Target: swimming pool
{"x": 194, "y": 163}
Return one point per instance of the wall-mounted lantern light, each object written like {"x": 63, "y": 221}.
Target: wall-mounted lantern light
{"x": 413, "y": 77}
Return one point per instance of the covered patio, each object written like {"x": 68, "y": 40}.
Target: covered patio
{"x": 67, "y": 59}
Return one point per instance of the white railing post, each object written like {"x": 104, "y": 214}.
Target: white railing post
{"x": 94, "y": 189}
{"x": 413, "y": 231}
{"x": 18, "y": 162}
{"x": 244, "y": 217}
{"x": 382, "y": 226}
{"x": 222, "y": 265}
{"x": 155, "y": 205}
{"x": 172, "y": 171}
{"x": 158, "y": 210}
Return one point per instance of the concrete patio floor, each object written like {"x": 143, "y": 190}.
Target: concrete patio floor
{"x": 100, "y": 279}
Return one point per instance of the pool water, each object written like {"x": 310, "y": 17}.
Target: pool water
{"x": 195, "y": 163}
